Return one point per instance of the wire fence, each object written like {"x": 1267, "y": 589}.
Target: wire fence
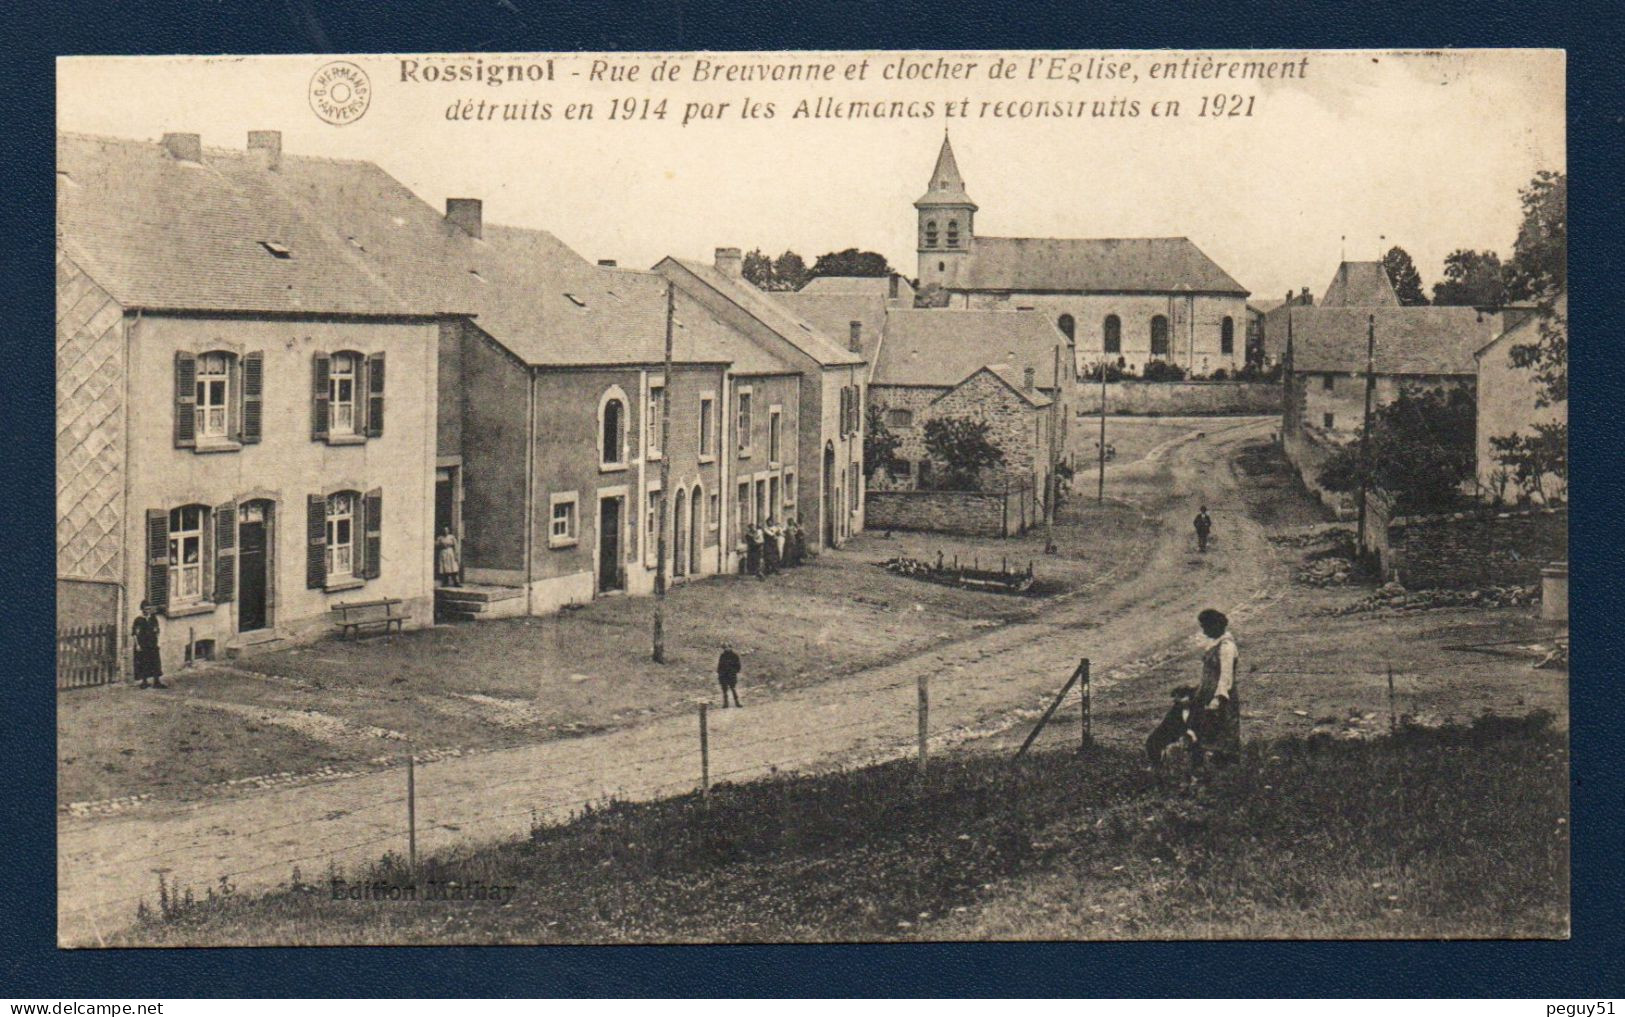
{"x": 556, "y": 796}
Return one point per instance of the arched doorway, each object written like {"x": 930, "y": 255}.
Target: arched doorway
{"x": 696, "y": 528}
{"x": 827, "y": 496}
{"x": 679, "y": 558}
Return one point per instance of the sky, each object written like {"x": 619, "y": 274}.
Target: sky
{"x": 1367, "y": 150}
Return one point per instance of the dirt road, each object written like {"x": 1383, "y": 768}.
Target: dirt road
{"x": 977, "y": 686}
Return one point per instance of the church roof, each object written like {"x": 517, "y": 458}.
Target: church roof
{"x": 1360, "y": 284}
{"x": 946, "y": 187}
{"x": 867, "y": 285}
{"x": 1134, "y": 265}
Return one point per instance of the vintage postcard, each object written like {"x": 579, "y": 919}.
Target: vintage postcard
{"x": 811, "y": 496}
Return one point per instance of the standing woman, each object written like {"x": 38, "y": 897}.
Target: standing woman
{"x": 149, "y": 664}
{"x": 447, "y": 561}
{"x": 1217, "y": 719}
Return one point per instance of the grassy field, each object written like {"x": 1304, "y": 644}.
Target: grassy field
{"x": 1457, "y": 832}
{"x": 492, "y": 684}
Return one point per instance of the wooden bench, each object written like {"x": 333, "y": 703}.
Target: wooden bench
{"x": 351, "y": 618}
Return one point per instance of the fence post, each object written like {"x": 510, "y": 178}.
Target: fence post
{"x": 1393, "y": 717}
{"x": 1083, "y": 699}
{"x": 411, "y": 814}
{"x": 705, "y": 749}
{"x": 924, "y": 715}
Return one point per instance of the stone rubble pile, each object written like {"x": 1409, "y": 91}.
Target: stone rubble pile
{"x": 1325, "y": 572}
{"x": 1394, "y": 597}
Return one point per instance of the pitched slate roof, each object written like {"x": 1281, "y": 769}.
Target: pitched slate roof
{"x": 866, "y": 285}
{"x": 834, "y": 313}
{"x": 528, "y": 290}
{"x": 1409, "y": 340}
{"x": 939, "y": 348}
{"x": 824, "y": 349}
{"x": 157, "y": 232}
{"x": 1360, "y": 284}
{"x": 1135, "y": 265}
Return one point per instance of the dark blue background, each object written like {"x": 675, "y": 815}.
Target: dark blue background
{"x": 1586, "y": 967}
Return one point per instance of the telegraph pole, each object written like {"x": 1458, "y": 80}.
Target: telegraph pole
{"x": 1365, "y": 427}
{"x": 1100, "y": 492}
{"x": 665, "y": 488}
{"x": 1053, "y": 488}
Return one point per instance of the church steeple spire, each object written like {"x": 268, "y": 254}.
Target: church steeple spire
{"x": 946, "y": 186}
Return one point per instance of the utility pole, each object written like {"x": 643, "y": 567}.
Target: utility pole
{"x": 1100, "y": 491}
{"x": 665, "y": 488}
{"x": 1365, "y": 427}
{"x": 1052, "y": 487}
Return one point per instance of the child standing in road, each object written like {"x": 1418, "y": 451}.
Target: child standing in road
{"x": 728, "y": 674}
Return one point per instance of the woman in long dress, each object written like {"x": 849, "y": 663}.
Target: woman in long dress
{"x": 447, "y": 563}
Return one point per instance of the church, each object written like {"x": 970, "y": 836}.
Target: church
{"x": 1126, "y": 301}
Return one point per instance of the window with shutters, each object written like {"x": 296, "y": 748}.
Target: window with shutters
{"x": 651, "y": 534}
{"x": 213, "y": 395}
{"x": 341, "y": 543}
{"x": 854, "y": 487}
{"x": 657, "y": 406}
{"x": 187, "y": 553}
{"x": 343, "y": 380}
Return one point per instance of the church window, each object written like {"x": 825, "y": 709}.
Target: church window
{"x": 1114, "y": 334}
{"x": 930, "y": 233}
{"x": 953, "y": 232}
{"x": 1159, "y": 336}
{"x": 1067, "y": 326}
{"x": 942, "y": 266}
{"x": 1227, "y": 335}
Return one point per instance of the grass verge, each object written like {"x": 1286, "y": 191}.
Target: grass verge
{"x": 1452, "y": 833}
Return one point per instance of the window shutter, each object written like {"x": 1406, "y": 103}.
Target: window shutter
{"x": 158, "y": 558}
{"x": 185, "y": 401}
{"x": 322, "y": 366}
{"x": 253, "y": 386}
{"x": 375, "y": 395}
{"x": 373, "y": 526}
{"x": 315, "y": 542}
{"x": 225, "y": 553}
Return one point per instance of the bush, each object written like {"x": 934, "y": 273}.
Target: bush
{"x": 1162, "y": 370}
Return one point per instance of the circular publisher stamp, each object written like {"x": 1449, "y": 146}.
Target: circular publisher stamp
{"x": 340, "y": 92}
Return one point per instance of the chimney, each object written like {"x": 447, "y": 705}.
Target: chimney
{"x": 854, "y": 341}
{"x": 266, "y": 146}
{"x": 606, "y": 262}
{"x": 185, "y": 147}
{"x": 730, "y": 262}
{"x": 1307, "y": 301}
{"x": 1028, "y": 377}
{"x": 465, "y": 214}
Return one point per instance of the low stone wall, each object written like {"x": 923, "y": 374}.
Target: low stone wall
{"x": 1307, "y": 455}
{"x": 1471, "y": 549}
{"x": 1180, "y": 398}
{"x": 974, "y": 513}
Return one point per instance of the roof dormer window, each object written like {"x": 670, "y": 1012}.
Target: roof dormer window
{"x": 575, "y": 300}
{"x": 276, "y": 250}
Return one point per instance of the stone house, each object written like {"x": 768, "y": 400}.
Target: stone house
{"x": 245, "y": 417}
{"x": 832, "y": 381}
{"x": 1129, "y": 301}
{"x": 1507, "y": 394}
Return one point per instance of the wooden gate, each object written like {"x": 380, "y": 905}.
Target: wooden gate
{"x": 86, "y": 655}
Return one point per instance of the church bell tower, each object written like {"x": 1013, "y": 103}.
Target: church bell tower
{"x": 947, "y": 233}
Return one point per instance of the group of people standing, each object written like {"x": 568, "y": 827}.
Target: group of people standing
{"x": 773, "y": 547}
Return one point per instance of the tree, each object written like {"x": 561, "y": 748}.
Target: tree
{"x": 789, "y": 271}
{"x": 1422, "y": 451}
{"x": 1548, "y": 357}
{"x": 1471, "y": 279}
{"x": 758, "y": 269}
{"x": 961, "y": 447}
{"x": 851, "y": 262}
{"x": 1404, "y": 277}
{"x": 1531, "y": 458}
{"x": 1540, "y": 259}
{"x": 879, "y": 443}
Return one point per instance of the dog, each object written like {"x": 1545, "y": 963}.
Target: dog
{"x": 1176, "y": 735}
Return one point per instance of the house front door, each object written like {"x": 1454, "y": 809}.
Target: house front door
{"x": 253, "y": 554}
{"x": 609, "y": 544}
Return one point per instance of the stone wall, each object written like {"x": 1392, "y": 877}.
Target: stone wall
{"x": 1179, "y": 398}
{"x": 1468, "y": 549}
{"x": 975, "y": 513}
{"x": 1308, "y": 453}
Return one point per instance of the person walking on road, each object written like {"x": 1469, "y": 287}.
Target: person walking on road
{"x": 728, "y": 674}
{"x": 149, "y": 664}
{"x": 1216, "y": 717}
{"x": 1204, "y": 526}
